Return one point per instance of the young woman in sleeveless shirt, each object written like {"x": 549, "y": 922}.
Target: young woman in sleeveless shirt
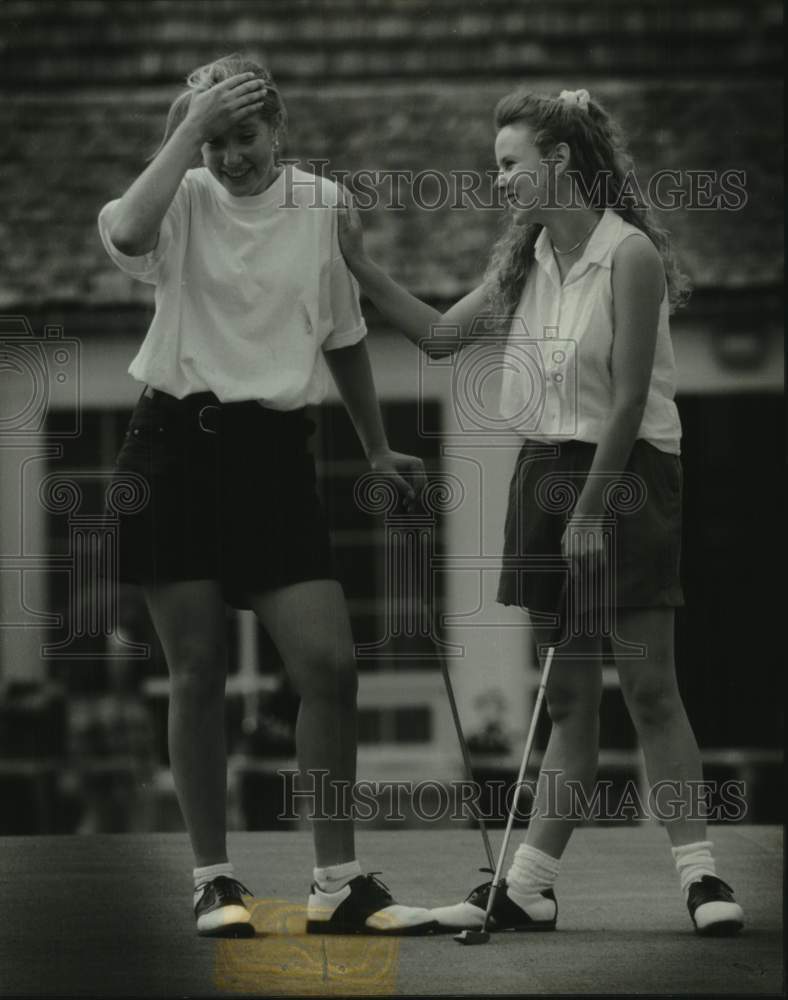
{"x": 580, "y": 260}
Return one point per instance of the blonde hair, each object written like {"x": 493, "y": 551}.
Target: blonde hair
{"x": 598, "y": 152}
{"x": 203, "y": 78}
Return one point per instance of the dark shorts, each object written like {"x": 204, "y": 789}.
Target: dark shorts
{"x": 644, "y": 533}
{"x": 228, "y": 493}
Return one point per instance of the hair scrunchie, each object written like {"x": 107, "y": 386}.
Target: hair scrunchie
{"x": 575, "y": 97}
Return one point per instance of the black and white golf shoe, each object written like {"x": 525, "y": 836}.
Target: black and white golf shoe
{"x": 714, "y": 911}
{"x": 364, "y": 906}
{"x": 505, "y": 915}
{"x": 220, "y": 910}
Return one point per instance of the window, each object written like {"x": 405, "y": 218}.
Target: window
{"x": 382, "y": 611}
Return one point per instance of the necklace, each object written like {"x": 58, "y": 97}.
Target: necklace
{"x": 579, "y": 242}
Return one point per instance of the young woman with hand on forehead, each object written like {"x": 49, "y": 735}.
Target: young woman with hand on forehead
{"x": 577, "y": 258}
{"x": 253, "y": 298}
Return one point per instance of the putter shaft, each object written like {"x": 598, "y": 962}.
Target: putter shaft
{"x": 523, "y": 766}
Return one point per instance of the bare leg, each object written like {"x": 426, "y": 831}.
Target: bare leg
{"x": 189, "y": 617}
{"x": 309, "y": 624}
{"x": 652, "y": 697}
{"x": 573, "y": 694}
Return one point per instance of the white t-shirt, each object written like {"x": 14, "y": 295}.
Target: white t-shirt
{"x": 249, "y": 291}
{"x": 557, "y": 377}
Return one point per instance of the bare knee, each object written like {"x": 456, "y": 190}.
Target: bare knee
{"x": 327, "y": 675}
{"x": 649, "y": 686}
{"x": 653, "y": 703}
{"x": 198, "y": 670}
{"x": 568, "y": 704}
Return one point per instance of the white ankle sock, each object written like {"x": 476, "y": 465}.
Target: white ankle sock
{"x": 532, "y": 872}
{"x": 693, "y": 861}
{"x": 333, "y": 877}
{"x": 203, "y": 875}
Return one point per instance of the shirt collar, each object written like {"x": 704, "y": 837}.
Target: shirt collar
{"x": 596, "y": 250}
{"x": 274, "y": 194}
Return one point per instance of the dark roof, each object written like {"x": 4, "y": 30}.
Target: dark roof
{"x": 83, "y": 42}
{"x": 65, "y": 156}
{"x": 383, "y": 85}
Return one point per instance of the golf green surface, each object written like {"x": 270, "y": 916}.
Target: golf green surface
{"x": 111, "y": 916}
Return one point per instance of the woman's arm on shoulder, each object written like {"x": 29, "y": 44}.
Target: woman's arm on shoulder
{"x": 435, "y": 333}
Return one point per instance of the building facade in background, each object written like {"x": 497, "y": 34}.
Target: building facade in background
{"x": 398, "y": 96}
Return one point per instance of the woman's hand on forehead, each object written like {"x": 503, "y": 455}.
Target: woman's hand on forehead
{"x": 215, "y": 110}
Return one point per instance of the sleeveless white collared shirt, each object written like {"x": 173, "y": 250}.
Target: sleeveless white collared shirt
{"x": 557, "y": 380}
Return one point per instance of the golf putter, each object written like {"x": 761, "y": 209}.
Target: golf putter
{"x": 482, "y": 936}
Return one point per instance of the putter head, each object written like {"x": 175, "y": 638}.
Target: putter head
{"x": 472, "y": 937}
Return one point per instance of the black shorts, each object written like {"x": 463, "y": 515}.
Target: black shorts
{"x": 645, "y": 533}
{"x": 219, "y": 491}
